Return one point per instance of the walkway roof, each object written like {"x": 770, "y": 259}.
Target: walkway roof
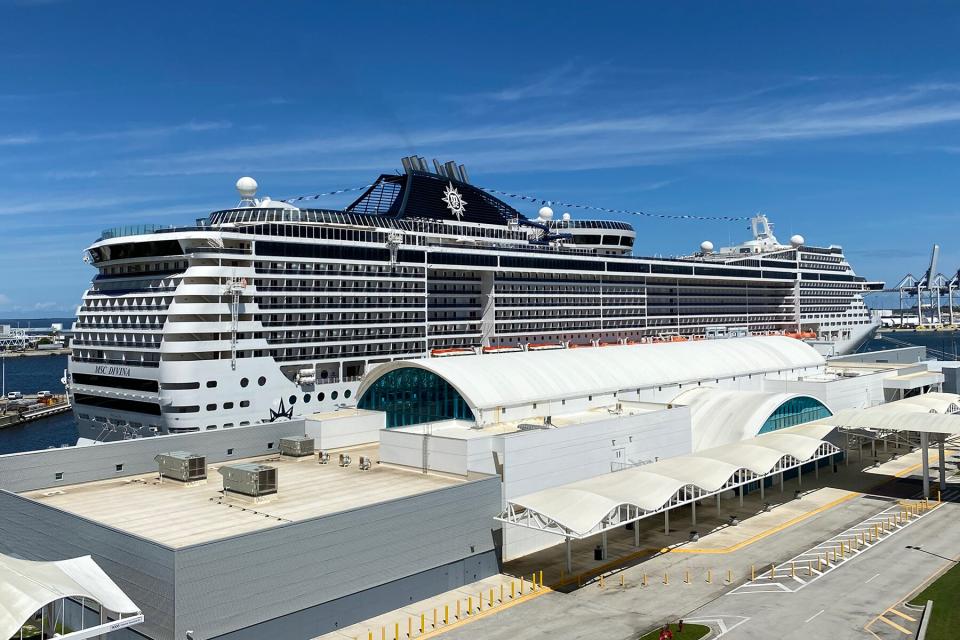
{"x": 512, "y": 379}
{"x": 27, "y": 586}
{"x": 587, "y": 507}
{"x": 930, "y": 413}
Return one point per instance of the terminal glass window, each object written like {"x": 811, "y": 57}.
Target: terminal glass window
{"x": 414, "y": 396}
{"x": 795, "y": 411}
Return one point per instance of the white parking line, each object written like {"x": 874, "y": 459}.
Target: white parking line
{"x": 814, "y": 616}
{"x": 871, "y": 578}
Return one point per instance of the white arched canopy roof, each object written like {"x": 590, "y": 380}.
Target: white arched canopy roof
{"x": 724, "y": 416}
{"x": 586, "y": 507}
{"x": 27, "y": 586}
{"x": 512, "y": 379}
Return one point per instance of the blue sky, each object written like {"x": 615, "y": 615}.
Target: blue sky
{"x": 839, "y": 120}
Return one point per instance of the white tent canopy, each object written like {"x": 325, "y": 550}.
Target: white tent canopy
{"x": 927, "y": 413}
{"x": 586, "y": 507}
{"x": 512, "y": 379}
{"x": 27, "y": 586}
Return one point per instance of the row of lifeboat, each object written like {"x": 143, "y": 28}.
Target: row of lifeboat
{"x": 549, "y": 346}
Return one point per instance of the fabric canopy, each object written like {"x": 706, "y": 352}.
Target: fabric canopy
{"x": 930, "y": 412}
{"x": 27, "y": 586}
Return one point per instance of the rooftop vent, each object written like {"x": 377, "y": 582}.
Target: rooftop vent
{"x": 182, "y": 466}
{"x": 296, "y": 447}
{"x": 251, "y": 480}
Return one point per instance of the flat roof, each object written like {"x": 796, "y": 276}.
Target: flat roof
{"x": 179, "y": 516}
{"x": 465, "y": 430}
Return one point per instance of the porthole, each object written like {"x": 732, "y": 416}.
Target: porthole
{"x": 320, "y": 396}
{"x": 346, "y": 394}
{"x": 306, "y": 397}
{"x": 333, "y": 395}
{"x": 244, "y": 403}
{"x": 292, "y": 399}
{"x": 244, "y": 382}
{"x": 261, "y": 381}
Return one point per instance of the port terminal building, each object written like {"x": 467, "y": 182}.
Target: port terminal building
{"x": 425, "y": 484}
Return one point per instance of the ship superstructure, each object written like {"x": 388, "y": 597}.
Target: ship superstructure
{"x": 266, "y": 310}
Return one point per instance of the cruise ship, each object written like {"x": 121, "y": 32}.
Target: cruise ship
{"x": 266, "y": 310}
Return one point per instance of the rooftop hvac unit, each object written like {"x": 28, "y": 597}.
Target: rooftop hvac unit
{"x": 182, "y": 465}
{"x": 296, "y": 446}
{"x": 365, "y": 463}
{"x": 344, "y": 460}
{"x": 324, "y": 457}
{"x": 254, "y": 480}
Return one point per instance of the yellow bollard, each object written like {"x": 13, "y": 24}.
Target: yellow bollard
{"x": 841, "y": 548}
{"x": 809, "y": 568}
{"x": 621, "y": 579}
{"x": 501, "y": 593}
{"x": 644, "y": 579}
{"x": 729, "y": 576}
{"x": 938, "y": 496}
{"x": 396, "y": 631}
{"x": 409, "y": 627}
{"x": 480, "y": 599}
{"x": 491, "y": 597}
{"x": 369, "y": 635}
{"x": 469, "y": 606}
{"x": 458, "y": 609}
{"x": 709, "y": 577}
{"x": 513, "y": 589}
{"x": 601, "y": 581}
{"x": 446, "y": 614}
{"x": 686, "y": 577}
{"x": 753, "y": 572}
{"x": 541, "y": 578}
{"x": 383, "y": 633}
{"x": 521, "y": 585}
{"x": 423, "y": 622}
{"x": 434, "y": 617}
{"x": 533, "y": 581}
{"x": 773, "y": 571}
{"x": 666, "y": 578}
{"x": 793, "y": 570}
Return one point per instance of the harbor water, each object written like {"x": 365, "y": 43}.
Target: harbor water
{"x": 36, "y": 373}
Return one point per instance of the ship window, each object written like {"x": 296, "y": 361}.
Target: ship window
{"x": 347, "y": 393}
{"x": 244, "y": 403}
{"x": 261, "y": 381}
{"x": 320, "y": 396}
{"x": 228, "y": 405}
{"x": 306, "y": 397}
{"x": 292, "y": 399}
{"x": 244, "y": 382}
{"x": 211, "y": 407}
{"x": 333, "y": 395}
{"x": 211, "y": 384}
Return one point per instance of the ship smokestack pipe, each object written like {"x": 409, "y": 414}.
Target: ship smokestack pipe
{"x": 423, "y": 164}
{"x": 437, "y": 167}
{"x": 452, "y": 172}
{"x": 463, "y": 174}
{"x": 407, "y": 166}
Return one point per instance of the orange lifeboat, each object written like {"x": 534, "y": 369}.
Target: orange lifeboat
{"x": 808, "y": 334}
{"x": 445, "y": 353}
{"x": 544, "y": 346}
{"x": 679, "y": 338}
{"x": 794, "y": 334}
{"x": 501, "y": 349}
{"x": 608, "y": 343}
{"x": 579, "y": 345}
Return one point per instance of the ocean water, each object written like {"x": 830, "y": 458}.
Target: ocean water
{"x": 44, "y": 372}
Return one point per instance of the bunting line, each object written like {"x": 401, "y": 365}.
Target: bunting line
{"x": 587, "y": 207}
{"x": 317, "y": 196}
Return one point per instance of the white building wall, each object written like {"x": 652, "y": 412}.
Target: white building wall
{"x": 536, "y": 460}
{"x": 352, "y": 428}
{"x": 842, "y": 393}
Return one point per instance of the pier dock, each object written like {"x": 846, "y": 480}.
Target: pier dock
{"x": 12, "y": 414}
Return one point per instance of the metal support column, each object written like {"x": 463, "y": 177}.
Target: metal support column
{"x": 636, "y": 533}
{"x": 781, "y": 482}
{"x": 800, "y": 476}
{"x": 763, "y": 481}
{"x": 603, "y": 541}
{"x": 718, "y": 504}
{"x": 925, "y": 457}
{"x": 941, "y": 449}
{"x": 666, "y": 522}
{"x": 693, "y": 513}
{"x": 569, "y": 557}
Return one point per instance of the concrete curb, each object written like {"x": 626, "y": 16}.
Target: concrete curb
{"x": 927, "y": 611}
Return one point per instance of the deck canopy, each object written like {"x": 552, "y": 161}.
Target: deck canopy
{"x": 27, "y": 587}
{"x": 927, "y": 413}
{"x": 587, "y": 507}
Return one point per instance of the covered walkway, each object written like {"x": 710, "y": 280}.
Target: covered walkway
{"x": 28, "y": 588}
{"x": 600, "y": 504}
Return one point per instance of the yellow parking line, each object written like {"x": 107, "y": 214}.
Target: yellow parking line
{"x": 894, "y": 625}
{"x": 902, "y": 615}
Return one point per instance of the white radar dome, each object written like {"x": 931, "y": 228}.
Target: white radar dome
{"x": 706, "y": 246}
{"x": 566, "y": 217}
{"x": 247, "y": 187}
{"x": 797, "y": 240}
{"x": 546, "y": 213}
